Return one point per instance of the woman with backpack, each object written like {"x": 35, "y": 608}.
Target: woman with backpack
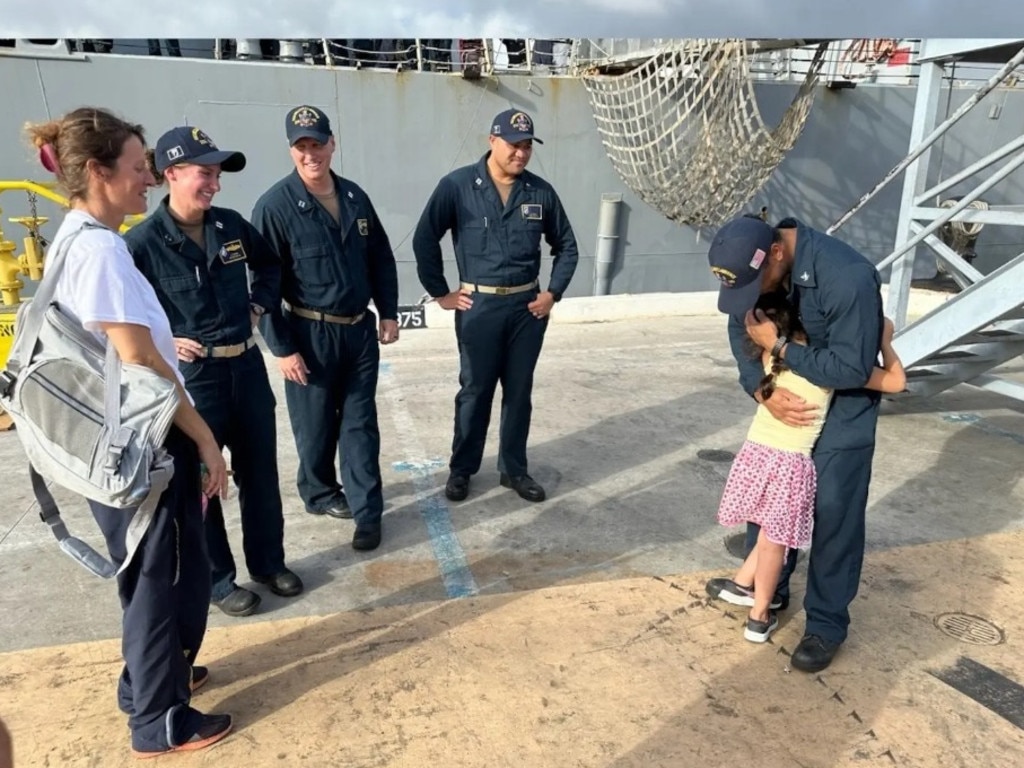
{"x": 100, "y": 162}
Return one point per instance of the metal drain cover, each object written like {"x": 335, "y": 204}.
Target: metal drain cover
{"x": 712, "y": 454}
{"x": 970, "y": 629}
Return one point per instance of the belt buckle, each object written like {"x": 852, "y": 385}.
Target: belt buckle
{"x": 501, "y": 290}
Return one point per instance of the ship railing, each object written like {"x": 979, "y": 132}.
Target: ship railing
{"x": 527, "y": 55}
{"x": 51, "y": 47}
{"x": 614, "y": 53}
{"x": 848, "y": 63}
{"x": 881, "y": 61}
{"x": 484, "y": 56}
{"x": 531, "y": 56}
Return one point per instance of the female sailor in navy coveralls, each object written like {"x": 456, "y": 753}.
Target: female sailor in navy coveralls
{"x": 214, "y": 274}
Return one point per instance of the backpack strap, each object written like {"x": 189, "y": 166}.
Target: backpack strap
{"x": 160, "y": 477}
{"x": 112, "y": 410}
{"x": 78, "y": 549}
{"x": 31, "y": 321}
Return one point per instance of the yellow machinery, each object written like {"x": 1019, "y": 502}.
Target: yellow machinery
{"x": 29, "y": 263}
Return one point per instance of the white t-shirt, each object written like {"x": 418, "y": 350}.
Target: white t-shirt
{"x": 101, "y": 284}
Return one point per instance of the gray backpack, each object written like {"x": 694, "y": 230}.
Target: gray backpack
{"x": 87, "y": 422}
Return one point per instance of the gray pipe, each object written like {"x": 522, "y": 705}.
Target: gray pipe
{"x": 607, "y": 242}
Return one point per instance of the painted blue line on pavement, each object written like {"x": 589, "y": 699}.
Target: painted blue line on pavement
{"x": 451, "y": 559}
{"x": 976, "y": 421}
{"x": 417, "y": 466}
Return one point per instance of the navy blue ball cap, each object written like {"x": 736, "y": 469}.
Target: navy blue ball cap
{"x": 513, "y": 125}
{"x": 188, "y": 145}
{"x": 738, "y": 256}
{"x": 306, "y": 122}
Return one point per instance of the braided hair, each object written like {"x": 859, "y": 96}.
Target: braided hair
{"x": 779, "y": 310}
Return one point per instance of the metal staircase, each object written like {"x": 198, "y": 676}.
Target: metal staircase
{"x": 976, "y": 330}
{"x": 982, "y": 327}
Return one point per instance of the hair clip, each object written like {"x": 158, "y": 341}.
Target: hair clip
{"x": 48, "y": 157}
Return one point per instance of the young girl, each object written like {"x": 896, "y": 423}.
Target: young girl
{"x": 773, "y": 482}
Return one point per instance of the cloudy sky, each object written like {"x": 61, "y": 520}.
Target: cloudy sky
{"x": 533, "y": 18}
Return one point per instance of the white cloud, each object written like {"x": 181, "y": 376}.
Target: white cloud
{"x": 616, "y": 7}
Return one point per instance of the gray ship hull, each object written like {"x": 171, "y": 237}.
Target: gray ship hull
{"x": 399, "y": 132}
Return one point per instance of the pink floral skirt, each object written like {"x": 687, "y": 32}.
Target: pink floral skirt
{"x": 773, "y": 488}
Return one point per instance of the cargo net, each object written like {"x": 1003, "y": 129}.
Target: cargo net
{"x": 684, "y": 131}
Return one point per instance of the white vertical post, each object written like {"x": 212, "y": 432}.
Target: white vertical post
{"x": 915, "y": 180}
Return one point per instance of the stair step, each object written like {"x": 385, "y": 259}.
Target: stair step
{"x": 1014, "y": 314}
{"x": 928, "y": 374}
{"x": 993, "y": 335}
{"x": 978, "y": 329}
{"x": 958, "y": 355}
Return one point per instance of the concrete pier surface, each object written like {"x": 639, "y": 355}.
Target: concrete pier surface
{"x": 574, "y": 632}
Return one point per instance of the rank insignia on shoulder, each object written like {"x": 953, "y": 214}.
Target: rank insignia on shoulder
{"x": 364, "y": 227}
{"x": 231, "y": 252}
{"x": 533, "y": 211}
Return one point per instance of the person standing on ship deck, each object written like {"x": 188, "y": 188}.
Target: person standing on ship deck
{"x": 199, "y": 259}
{"x": 497, "y": 212}
{"x": 336, "y": 258}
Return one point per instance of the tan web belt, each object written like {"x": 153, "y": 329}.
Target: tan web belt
{"x": 313, "y": 314}
{"x": 231, "y": 350}
{"x": 500, "y": 290}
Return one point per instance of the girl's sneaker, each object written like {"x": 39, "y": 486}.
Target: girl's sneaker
{"x": 759, "y": 631}
{"x": 731, "y": 592}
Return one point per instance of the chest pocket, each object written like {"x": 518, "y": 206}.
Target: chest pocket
{"x": 813, "y": 319}
{"x": 179, "y": 284}
{"x": 473, "y": 236}
{"x": 526, "y": 228}
{"x": 313, "y": 264}
{"x": 355, "y": 244}
{"x": 532, "y": 231}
